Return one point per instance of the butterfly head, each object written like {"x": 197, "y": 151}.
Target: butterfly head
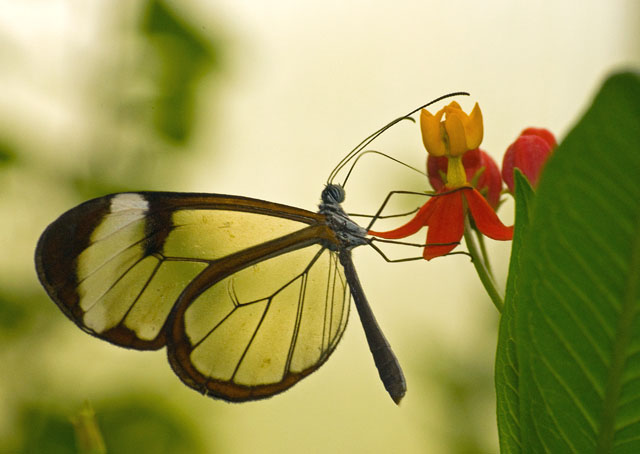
{"x": 348, "y": 232}
{"x": 333, "y": 194}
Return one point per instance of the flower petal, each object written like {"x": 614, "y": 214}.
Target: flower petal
{"x": 419, "y": 220}
{"x": 490, "y": 182}
{"x": 455, "y": 131}
{"x": 431, "y": 134}
{"x": 485, "y": 218}
{"x": 437, "y": 171}
{"x": 453, "y": 105}
{"x": 446, "y": 225}
{"x": 473, "y": 128}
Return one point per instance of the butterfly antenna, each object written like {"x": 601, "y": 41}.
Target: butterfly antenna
{"x": 364, "y": 143}
{"x": 355, "y": 161}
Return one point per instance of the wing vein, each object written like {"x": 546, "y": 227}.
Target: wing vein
{"x": 301, "y": 298}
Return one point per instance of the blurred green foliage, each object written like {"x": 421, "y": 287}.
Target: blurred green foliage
{"x": 464, "y": 384}
{"x": 149, "y": 97}
{"x": 184, "y": 56}
{"x": 89, "y": 438}
{"x": 18, "y": 309}
{"x": 132, "y": 138}
{"x": 43, "y": 430}
{"x": 128, "y": 425}
{"x": 141, "y": 424}
{"x": 7, "y": 154}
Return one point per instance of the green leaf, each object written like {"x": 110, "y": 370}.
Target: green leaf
{"x": 577, "y": 295}
{"x": 506, "y": 373}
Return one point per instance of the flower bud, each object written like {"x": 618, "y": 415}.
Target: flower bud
{"x": 528, "y": 153}
{"x": 542, "y": 133}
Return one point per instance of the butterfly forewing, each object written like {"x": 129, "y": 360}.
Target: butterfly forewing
{"x": 116, "y": 265}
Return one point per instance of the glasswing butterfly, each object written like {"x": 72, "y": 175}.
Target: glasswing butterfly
{"x": 248, "y": 296}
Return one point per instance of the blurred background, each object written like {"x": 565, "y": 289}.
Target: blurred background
{"x": 263, "y": 99}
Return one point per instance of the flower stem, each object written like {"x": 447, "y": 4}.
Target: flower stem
{"x": 483, "y": 251}
{"x": 481, "y": 269}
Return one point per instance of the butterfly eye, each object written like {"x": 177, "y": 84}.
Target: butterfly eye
{"x": 333, "y": 194}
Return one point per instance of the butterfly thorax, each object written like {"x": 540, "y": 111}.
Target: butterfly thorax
{"x": 349, "y": 233}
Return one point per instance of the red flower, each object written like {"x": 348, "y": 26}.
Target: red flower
{"x": 480, "y": 168}
{"x": 528, "y": 153}
{"x": 444, "y": 215}
{"x": 452, "y": 135}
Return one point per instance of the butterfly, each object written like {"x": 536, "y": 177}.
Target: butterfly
{"x": 248, "y": 296}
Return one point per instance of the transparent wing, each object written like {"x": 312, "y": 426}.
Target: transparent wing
{"x": 249, "y": 296}
{"x": 117, "y": 265}
{"x": 263, "y": 328}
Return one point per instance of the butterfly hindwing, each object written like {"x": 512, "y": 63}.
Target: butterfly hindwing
{"x": 274, "y": 323}
{"x": 245, "y": 293}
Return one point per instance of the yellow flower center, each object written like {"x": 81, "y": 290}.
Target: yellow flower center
{"x": 456, "y": 176}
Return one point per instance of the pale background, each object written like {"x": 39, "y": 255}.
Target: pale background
{"x": 303, "y": 82}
